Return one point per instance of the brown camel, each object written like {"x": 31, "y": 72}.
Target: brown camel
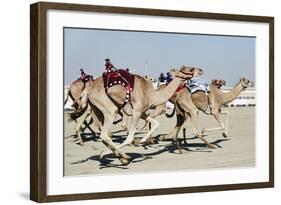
{"x": 75, "y": 92}
{"x": 210, "y": 104}
{"x": 110, "y": 103}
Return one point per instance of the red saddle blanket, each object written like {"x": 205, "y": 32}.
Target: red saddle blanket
{"x": 119, "y": 77}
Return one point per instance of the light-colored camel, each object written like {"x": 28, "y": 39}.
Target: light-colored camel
{"x": 74, "y": 92}
{"x": 215, "y": 82}
{"x": 143, "y": 97}
{"x": 210, "y": 104}
{"x": 216, "y": 99}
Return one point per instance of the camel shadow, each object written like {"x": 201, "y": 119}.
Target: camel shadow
{"x": 109, "y": 161}
{"x": 199, "y": 146}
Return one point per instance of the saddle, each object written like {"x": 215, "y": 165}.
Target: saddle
{"x": 119, "y": 77}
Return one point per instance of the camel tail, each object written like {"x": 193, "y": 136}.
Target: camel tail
{"x": 172, "y": 114}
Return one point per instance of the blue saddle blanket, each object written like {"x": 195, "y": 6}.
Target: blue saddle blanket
{"x": 197, "y": 84}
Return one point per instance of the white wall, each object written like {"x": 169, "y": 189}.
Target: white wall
{"x": 14, "y": 48}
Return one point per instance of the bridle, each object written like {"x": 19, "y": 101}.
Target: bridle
{"x": 185, "y": 73}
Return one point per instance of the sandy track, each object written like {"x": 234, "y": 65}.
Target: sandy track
{"x": 236, "y": 151}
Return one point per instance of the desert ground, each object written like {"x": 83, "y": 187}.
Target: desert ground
{"x": 238, "y": 150}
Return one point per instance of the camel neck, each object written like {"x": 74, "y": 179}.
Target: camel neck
{"x": 231, "y": 95}
{"x": 161, "y": 96}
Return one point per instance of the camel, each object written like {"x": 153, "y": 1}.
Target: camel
{"x": 74, "y": 92}
{"x": 111, "y": 102}
{"x": 216, "y": 100}
{"x": 77, "y": 88}
{"x": 210, "y": 104}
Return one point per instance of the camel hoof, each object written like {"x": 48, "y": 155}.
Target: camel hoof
{"x": 162, "y": 137}
{"x": 224, "y": 135}
{"x": 125, "y": 156}
{"x": 102, "y": 154}
{"x": 212, "y": 146}
{"x": 124, "y": 161}
{"x": 150, "y": 141}
{"x": 136, "y": 142}
{"x": 79, "y": 143}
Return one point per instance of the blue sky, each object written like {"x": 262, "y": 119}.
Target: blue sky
{"x": 221, "y": 57}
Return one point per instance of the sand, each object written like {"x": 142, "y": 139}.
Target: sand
{"x": 236, "y": 151}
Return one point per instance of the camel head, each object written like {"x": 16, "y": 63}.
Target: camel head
{"x": 218, "y": 83}
{"x": 196, "y": 71}
{"x": 186, "y": 72}
{"x": 246, "y": 83}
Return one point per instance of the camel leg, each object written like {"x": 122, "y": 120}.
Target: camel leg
{"x": 175, "y": 132}
{"x": 97, "y": 122}
{"x": 97, "y": 117}
{"x": 196, "y": 132}
{"x": 79, "y": 124}
{"x": 132, "y": 130}
{"x": 148, "y": 135}
{"x": 159, "y": 110}
{"x": 221, "y": 125}
{"x": 176, "y": 129}
{"x": 225, "y": 133}
{"x": 180, "y": 120}
{"x": 184, "y": 131}
{"x": 109, "y": 118}
{"x": 124, "y": 123}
